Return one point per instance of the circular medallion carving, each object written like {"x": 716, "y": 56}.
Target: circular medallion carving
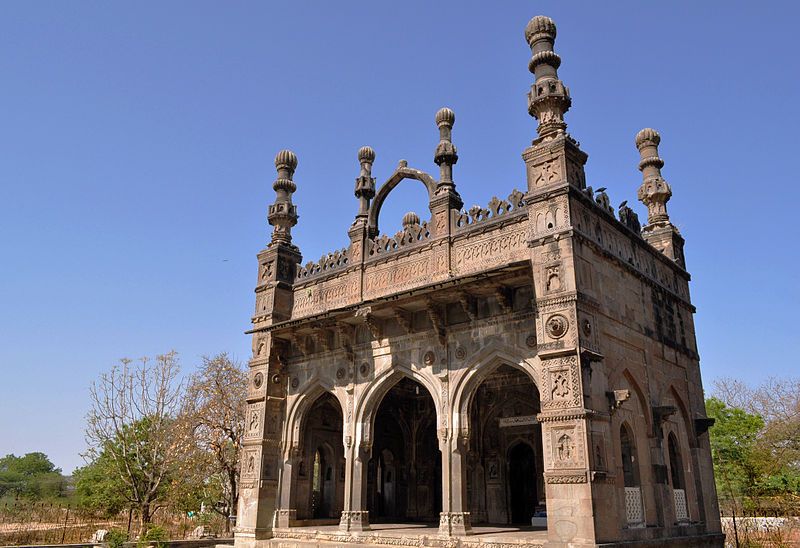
{"x": 461, "y": 353}
{"x": 276, "y": 379}
{"x": 364, "y": 369}
{"x": 531, "y": 341}
{"x": 295, "y": 382}
{"x": 557, "y": 326}
{"x": 587, "y": 327}
{"x": 258, "y": 379}
{"x": 429, "y": 358}
{"x": 340, "y": 373}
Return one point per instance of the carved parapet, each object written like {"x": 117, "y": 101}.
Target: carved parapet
{"x": 496, "y": 208}
{"x": 410, "y": 235}
{"x": 327, "y": 263}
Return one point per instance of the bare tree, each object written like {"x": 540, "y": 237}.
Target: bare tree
{"x": 214, "y": 409}
{"x": 130, "y": 424}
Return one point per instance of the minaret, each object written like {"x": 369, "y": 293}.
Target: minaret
{"x": 446, "y": 154}
{"x": 554, "y": 160}
{"x": 446, "y": 200}
{"x": 278, "y": 261}
{"x": 654, "y": 193}
{"x": 549, "y": 98}
{"x": 364, "y": 191}
{"x": 283, "y": 213}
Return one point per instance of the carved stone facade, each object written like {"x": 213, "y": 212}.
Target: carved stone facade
{"x": 534, "y": 359}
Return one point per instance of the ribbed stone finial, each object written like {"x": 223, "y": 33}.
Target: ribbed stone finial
{"x": 410, "y": 219}
{"x": 647, "y": 135}
{"x": 366, "y": 154}
{"x": 539, "y": 27}
{"x": 286, "y": 159}
{"x": 446, "y": 117}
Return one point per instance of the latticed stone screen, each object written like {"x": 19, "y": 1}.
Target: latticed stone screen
{"x": 633, "y": 506}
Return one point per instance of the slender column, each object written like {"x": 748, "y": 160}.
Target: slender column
{"x": 286, "y": 514}
{"x": 455, "y": 516}
{"x": 355, "y": 516}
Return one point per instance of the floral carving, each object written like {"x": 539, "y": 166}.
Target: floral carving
{"x": 557, "y": 326}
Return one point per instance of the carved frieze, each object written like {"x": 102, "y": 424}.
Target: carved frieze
{"x": 394, "y": 276}
{"x": 326, "y": 295}
{"x": 490, "y": 250}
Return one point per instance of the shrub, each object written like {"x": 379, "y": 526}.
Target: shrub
{"x": 115, "y": 538}
{"x": 155, "y": 536}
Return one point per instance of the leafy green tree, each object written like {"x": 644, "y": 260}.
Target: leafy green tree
{"x": 734, "y": 450}
{"x": 32, "y": 476}
{"x": 99, "y": 488}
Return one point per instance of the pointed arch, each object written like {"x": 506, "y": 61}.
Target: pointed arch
{"x": 645, "y": 408}
{"x": 370, "y": 400}
{"x": 480, "y": 366}
{"x": 312, "y": 391}
{"x": 387, "y": 187}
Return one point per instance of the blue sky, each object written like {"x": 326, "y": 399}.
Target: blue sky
{"x": 137, "y": 140}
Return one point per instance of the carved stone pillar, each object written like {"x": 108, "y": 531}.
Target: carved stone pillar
{"x": 455, "y": 516}
{"x": 355, "y": 516}
{"x": 266, "y": 391}
{"x": 570, "y": 508}
{"x": 261, "y": 446}
{"x": 286, "y": 513}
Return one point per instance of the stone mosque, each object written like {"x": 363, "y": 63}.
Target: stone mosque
{"x": 520, "y": 374}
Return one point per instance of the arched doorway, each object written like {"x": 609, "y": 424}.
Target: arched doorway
{"x": 404, "y": 475}
{"x": 522, "y": 482}
{"x": 320, "y": 476}
{"x": 505, "y": 461}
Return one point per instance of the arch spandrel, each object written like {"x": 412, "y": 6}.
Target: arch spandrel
{"x": 390, "y": 184}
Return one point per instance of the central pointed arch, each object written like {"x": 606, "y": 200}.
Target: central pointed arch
{"x": 367, "y": 406}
